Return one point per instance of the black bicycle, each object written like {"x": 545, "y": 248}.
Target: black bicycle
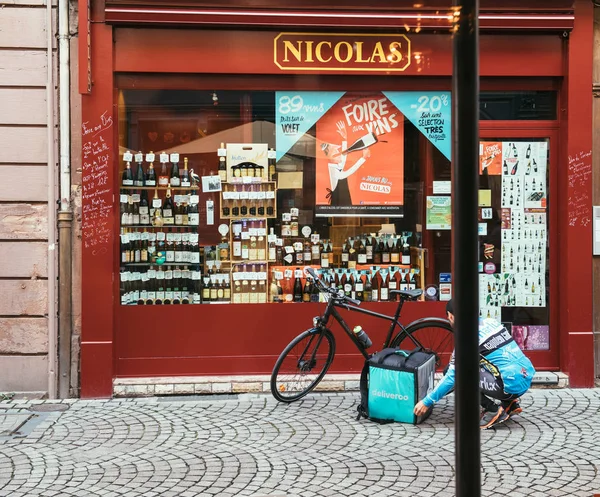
{"x": 306, "y": 359}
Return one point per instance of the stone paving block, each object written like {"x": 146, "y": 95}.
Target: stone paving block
{"x": 183, "y": 388}
{"x": 221, "y": 387}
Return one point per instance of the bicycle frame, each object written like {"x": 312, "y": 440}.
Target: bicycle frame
{"x": 331, "y": 311}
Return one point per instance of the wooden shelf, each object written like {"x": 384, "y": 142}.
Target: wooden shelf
{"x": 159, "y": 188}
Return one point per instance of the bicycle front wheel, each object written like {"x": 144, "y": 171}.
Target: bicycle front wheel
{"x": 302, "y": 365}
{"x": 434, "y": 336}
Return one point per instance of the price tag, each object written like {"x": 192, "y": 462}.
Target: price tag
{"x": 221, "y": 152}
{"x": 123, "y": 198}
{"x": 170, "y": 237}
{"x": 194, "y": 199}
{"x": 223, "y": 229}
{"x": 139, "y": 157}
{"x": 294, "y": 211}
{"x": 298, "y": 273}
{"x": 315, "y": 237}
{"x": 288, "y": 273}
{"x": 244, "y": 195}
{"x": 156, "y": 203}
{"x": 272, "y": 154}
{"x": 164, "y": 158}
{"x": 176, "y": 237}
{"x": 286, "y": 216}
{"x": 306, "y": 231}
{"x": 270, "y": 194}
{"x": 185, "y": 237}
{"x": 278, "y": 275}
{"x": 279, "y": 242}
{"x": 160, "y": 236}
{"x": 174, "y": 157}
{"x": 128, "y": 156}
{"x": 152, "y": 237}
{"x": 194, "y": 237}
{"x": 289, "y": 249}
{"x": 150, "y": 157}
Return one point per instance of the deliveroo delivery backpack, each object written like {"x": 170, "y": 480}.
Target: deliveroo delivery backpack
{"x": 391, "y": 384}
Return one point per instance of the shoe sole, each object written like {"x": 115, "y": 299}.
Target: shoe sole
{"x": 500, "y": 418}
{"x": 516, "y": 412}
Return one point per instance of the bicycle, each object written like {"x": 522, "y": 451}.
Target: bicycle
{"x": 310, "y": 361}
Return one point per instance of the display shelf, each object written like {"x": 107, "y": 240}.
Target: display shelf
{"x": 139, "y": 226}
{"x": 160, "y": 188}
{"x": 137, "y": 264}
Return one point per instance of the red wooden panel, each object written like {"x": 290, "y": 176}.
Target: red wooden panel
{"x": 236, "y": 339}
{"x": 96, "y": 370}
{"x": 177, "y": 51}
{"x": 576, "y": 191}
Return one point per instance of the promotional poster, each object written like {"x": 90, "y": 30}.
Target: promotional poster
{"x": 360, "y": 160}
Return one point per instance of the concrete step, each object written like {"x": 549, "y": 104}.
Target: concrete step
{"x": 208, "y": 385}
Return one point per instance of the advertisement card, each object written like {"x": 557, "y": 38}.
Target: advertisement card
{"x": 490, "y": 158}
{"x": 439, "y": 213}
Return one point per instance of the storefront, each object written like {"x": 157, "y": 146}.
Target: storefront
{"x": 224, "y": 149}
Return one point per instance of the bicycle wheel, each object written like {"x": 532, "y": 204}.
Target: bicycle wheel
{"x": 302, "y": 365}
{"x": 434, "y": 336}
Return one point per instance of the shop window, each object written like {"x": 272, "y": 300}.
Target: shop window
{"x": 518, "y": 105}
{"x": 227, "y": 195}
{"x": 514, "y": 237}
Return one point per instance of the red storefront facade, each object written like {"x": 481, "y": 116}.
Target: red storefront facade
{"x": 195, "y": 46}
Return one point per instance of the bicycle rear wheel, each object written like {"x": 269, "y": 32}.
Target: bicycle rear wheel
{"x": 435, "y": 337}
{"x": 302, "y": 365}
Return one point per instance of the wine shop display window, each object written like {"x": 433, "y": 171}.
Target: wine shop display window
{"x": 225, "y": 196}
{"x": 514, "y": 237}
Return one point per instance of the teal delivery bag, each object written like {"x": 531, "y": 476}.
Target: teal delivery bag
{"x": 392, "y": 382}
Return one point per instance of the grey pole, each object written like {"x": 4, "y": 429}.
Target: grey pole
{"x": 465, "y": 88}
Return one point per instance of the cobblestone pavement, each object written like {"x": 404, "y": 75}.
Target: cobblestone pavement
{"x": 253, "y": 446}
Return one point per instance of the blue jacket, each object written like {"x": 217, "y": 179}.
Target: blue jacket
{"x": 498, "y": 347}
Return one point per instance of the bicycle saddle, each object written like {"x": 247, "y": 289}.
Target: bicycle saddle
{"x": 407, "y": 294}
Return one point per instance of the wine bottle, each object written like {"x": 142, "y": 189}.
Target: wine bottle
{"x": 168, "y": 287}
{"x": 206, "y": 291}
{"x": 528, "y": 153}
{"x": 345, "y": 255}
{"x": 150, "y": 175}
{"x": 297, "y": 288}
{"x": 395, "y": 252}
{"x": 352, "y": 254}
{"x": 359, "y": 287}
{"x": 307, "y": 255}
{"x": 168, "y": 214}
{"x": 385, "y": 251}
{"x": 127, "y": 177}
{"x": 272, "y": 164}
{"x": 362, "y": 253}
{"x": 363, "y": 142}
{"x": 370, "y": 249}
{"x": 406, "y": 252}
{"x": 222, "y": 166}
{"x": 325, "y": 256}
{"x": 163, "y": 176}
{"x": 160, "y": 287}
{"x": 185, "y": 175}
{"x": 377, "y": 251}
{"x": 139, "y": 175}
{"x": 384, "y": 291}
{"x": 368, "y": 289}
{"x": 315, "y": 252}
{"x": 307, "y": 290}
{"x": 144, "y": 209}
{"x": 192, "y": 213}
{"x": 514, "y": 169}
{"x": 375, "y": 288}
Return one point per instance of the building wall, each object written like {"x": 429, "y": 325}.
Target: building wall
{"x": 24, "y": 245}
{"x": 596, "y": 182}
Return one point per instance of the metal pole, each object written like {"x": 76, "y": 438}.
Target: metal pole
{"x": 465, "y": 87}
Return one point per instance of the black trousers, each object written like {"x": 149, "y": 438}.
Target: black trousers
{"x": 491, "y": 387}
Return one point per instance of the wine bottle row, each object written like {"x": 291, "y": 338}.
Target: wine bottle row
{"x": 365, "y": 285}
{"x": 160, "y": 247}
{"x": 157, "y": 286}
{"x": 169, "y": 173}
{"x": 179, "y": 211}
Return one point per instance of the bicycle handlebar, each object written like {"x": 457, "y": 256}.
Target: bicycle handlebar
{"x": 339, "y": 295}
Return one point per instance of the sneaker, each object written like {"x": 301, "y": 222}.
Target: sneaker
{"x": 490, "y": 419}
{"x": 513, "y": 408}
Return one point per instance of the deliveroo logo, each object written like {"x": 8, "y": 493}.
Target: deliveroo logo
{"x": 387, "y": 395}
